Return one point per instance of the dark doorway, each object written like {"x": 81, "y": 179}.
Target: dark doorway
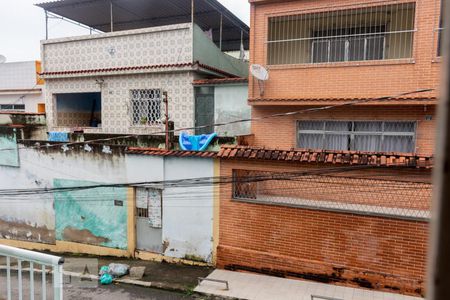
{"x": 204, "y": 109}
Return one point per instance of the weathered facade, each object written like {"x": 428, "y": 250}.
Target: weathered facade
{"x": 113, "y": 218}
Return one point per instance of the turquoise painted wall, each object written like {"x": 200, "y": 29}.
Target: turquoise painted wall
{"x": 8, "y": 141}
{"x": 91, "y": 216}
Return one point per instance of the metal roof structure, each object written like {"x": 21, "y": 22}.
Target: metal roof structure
{"x": 116, "y": 15}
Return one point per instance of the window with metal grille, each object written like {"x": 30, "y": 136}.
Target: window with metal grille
{"x": 17, "y": 107}
{"x": 372, "y": 136}
{"x": 244, "y": 186}
{"x": 146, "y": 107}
{"x": 358, "y": 34}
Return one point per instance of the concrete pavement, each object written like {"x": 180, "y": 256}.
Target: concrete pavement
{"x": 76, "y": 292}
{"x": 262, "y": 287}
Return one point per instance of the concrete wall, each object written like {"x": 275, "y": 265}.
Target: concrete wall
{"x": 18, "y": 75}
{"x": 188, "y": 212}
{"x": 104, "y": 217}
{"x": 8, "y": 147}
{"x": 230, "y": 103}
{"x": 187, "y": 221}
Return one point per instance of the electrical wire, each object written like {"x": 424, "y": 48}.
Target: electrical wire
{"x": 254, "y": 119}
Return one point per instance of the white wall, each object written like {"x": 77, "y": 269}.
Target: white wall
{"x": 188, "y": 212}
{"x": 230, "y": 104}
{"x": 30, "y": 100}
{"x": 18, "y": 75}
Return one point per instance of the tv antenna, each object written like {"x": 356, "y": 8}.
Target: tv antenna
{"x": 261, "y": 74}
{"x": 2, "y": 59}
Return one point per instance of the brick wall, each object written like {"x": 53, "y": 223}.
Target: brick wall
{"x": 284, "y": 136}
{"x": 352, "y": 79}
{"x": 344, "y": 248}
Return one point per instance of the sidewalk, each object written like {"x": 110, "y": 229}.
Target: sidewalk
{"x": 261, "y": 287}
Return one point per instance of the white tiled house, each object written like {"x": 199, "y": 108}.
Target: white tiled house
{"x": 113, "y": 82}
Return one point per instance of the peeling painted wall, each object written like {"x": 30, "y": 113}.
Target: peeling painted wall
{"x": 32, "y": 218}
{"x": 92, "y": 216}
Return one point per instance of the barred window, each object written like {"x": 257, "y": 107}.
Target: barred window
{"x": 244, "y": 186}
{"x": 385, "y": 194}
{"x": 372, "y": 136}
{"x": 358, "y": 34}
{"x": 146, "y": 107}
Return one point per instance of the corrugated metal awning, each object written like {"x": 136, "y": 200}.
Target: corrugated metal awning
{"x": 134, "y": 14}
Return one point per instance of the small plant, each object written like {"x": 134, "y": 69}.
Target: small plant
{"x": 144, "y": 120}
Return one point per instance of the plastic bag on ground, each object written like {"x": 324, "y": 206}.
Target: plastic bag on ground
{"x": 103, "y": 270}
{"x": 106, "y": 279}
{"x": 118, "y": 270}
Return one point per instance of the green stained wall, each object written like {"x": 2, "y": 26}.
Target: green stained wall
{"x": 9, "y": 155}
{"x": 91, "y": 216}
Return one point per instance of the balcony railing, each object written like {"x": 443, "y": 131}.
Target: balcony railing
{"x": 30, "y": 258}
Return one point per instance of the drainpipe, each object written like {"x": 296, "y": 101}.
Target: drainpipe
{"x": 111, "y": 15}
{"x": 46, "y": 24}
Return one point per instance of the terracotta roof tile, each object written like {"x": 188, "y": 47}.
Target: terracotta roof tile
{"x": 178, "y": 153}
{"x": 328, "y": 157}
{"x": 144, "y": 67}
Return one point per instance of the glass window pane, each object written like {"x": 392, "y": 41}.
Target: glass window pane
{"x": 337, "y": 142}
{"x": 371, "y": 143}
{"x": 356, "y": 49}
{"x": 320, "y": 51}
{"x": 310, "y": 141}
{"x": 310, "y": 125}
{"x": 398, "y": 144}
{"x": 375, "y": 47}
{"x": 368, "y": 126}
{"x": 399, "y": 127}
{"x": 343, "y": 126}
{"x": 337, "y": 50}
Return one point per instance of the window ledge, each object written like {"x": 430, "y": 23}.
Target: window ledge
{"x": 437, "y": 59}
{"x": 345, "y": 64}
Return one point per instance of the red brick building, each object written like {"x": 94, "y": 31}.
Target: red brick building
{"x": 339, "y": 191}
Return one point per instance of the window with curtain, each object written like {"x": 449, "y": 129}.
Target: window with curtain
{"x": 371, "y": 136}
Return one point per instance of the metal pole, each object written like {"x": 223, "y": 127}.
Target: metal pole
{"x": 111, "y": 15}
{"x": 439, "y": 259}
{"x": 192, "y": 12}
{"x": 166, "y": 102}
{"x": 46, "y": 25}
{"x": 221, "y": 27}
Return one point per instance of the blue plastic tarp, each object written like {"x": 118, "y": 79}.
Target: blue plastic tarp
{"x": 195, "y": 142}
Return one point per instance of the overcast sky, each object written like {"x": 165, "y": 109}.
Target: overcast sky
{"x": 22, "y": 26}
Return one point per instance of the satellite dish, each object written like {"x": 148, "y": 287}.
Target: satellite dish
{"x": 260, "y": 73}
{"x": 2, "y": 59}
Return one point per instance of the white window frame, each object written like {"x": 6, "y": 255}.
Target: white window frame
{"x": 353, "y": 133}
{"x": 347, "y": 49}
